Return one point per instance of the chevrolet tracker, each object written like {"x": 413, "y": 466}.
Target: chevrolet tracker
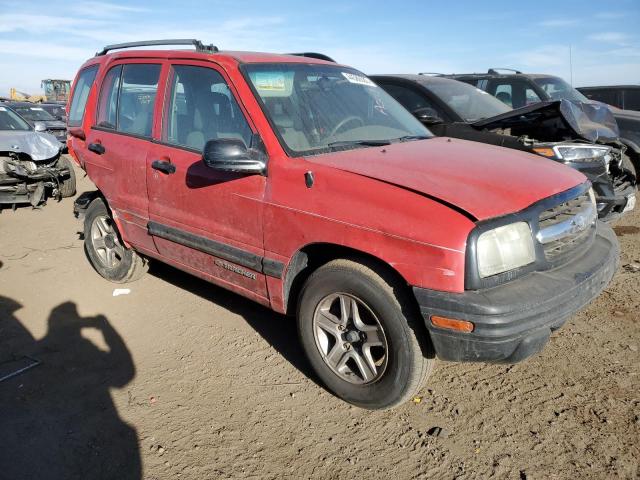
{"x": 300, "y": 184}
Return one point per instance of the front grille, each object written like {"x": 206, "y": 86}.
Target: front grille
{"x": 566, "y": 226}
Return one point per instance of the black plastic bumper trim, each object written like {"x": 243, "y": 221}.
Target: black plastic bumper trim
{"x": 514, "y": 320}
{"x": 269, "y": 267}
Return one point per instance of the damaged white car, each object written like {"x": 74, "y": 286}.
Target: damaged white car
{"x": 32, "y": 168}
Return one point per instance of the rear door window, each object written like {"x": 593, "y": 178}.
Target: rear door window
{"x": 80, "y": 95}
{"x": 127, "y": 98}
{"x": 108, "y": 103}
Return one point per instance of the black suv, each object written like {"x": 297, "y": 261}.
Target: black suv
{"x": 518, "y": 89}
{"x": 555, "y": 130}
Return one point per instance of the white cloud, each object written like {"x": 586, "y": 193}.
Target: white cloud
{"x": 104, "y": 9}
{"x": 610, "y": 15}
{"x": 610, "y": 37}
{"x": 560, "y": 22}
{"x": 545, "y": 56}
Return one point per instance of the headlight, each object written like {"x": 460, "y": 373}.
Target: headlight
{"x": 583, "y": 153}
{"x": 505, "y": 248}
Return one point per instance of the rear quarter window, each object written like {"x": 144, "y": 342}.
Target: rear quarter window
{"x": 81, "y": 95}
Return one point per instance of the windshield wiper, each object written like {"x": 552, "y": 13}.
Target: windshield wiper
{"x": 408, "y": 138}
{"x": 363, "y": 143}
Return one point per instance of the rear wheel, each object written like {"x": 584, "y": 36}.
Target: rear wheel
{"x": 361, "y": 335}
{"x": 106, "y": 251}
{"x": 67, "y": 186}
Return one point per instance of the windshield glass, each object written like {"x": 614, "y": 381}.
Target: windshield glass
{"x": 11, "y": 121}
{"x": 320, "y": 108}
{"x": 57, "y": 111}
{"x": 470, "y": 103}
{"x": 558, "y": 89}
{"x": 34, "y": 113}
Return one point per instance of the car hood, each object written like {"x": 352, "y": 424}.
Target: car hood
{"x": 39, "y": 146}
{"x": 56, "y": 124}
{"x": 591, "y": 121}
{"x": 482, "y": 180}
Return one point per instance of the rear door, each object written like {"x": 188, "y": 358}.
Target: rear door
{"x": 205, "y": 220}
{"x": 117, "y": 144}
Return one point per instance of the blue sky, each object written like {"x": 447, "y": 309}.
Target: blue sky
{"x": 41, "y": 39}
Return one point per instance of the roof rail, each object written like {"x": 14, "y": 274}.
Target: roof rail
{"x": 494, "y": 71}
{"x": 431, "y": 73}
{"x": 319, "y": 56}
{"x": 200, "y": 47}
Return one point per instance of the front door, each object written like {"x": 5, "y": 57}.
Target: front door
{"x": 206, "y": 221}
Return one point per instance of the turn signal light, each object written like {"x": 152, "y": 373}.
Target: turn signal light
{"x": 452, "y": 324}
{"x": 546, "y": 152}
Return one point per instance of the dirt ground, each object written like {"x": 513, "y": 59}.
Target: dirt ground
{"x": 181, "y": 379}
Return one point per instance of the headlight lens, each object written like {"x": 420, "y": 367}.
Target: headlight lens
{"x": 505, "y": 248}
{"x": 583, "y": 153}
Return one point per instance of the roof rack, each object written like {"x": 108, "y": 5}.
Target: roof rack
{"x": 319, "y": 56}
{"x": 200, "y": 47}
{"x": 494, "y": 71}
{"x": 430, "y": 73}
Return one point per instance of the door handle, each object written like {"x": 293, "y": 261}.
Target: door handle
{"x": 164, "y": 166}
{"x": 96, "y": 148}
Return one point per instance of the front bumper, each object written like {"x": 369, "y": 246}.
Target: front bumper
{"x": 613, "y": 190}
{"x": 514, "y": 321}
{"x": 32, "y": 188}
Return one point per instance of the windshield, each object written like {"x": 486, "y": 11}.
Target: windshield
{"x": 11, "y": 121}
{"x": 55, "y": 110}
{"x": 34, "y": 113}
{"x": 320, "y": 108}
{"x": 470, "y": 103}
{"x": 558, "y": 89}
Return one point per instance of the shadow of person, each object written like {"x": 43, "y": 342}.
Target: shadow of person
{"x": 58, "y": 420}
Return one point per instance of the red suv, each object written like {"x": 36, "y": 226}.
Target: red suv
{"x": 300, "y": 184}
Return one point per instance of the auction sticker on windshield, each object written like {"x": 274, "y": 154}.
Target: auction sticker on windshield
{"x": 272, "y": 81}
{"x": 2, "y": 109}
{"x": 358, "y": 79}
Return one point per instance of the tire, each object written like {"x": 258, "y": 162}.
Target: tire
{"x": 389, "y": 329}
{"x": 104, "y": 247}
{"x": 67, "y": 186}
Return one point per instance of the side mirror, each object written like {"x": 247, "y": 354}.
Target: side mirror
{"x": 232, "y": 155}
{"x": 427, "y": 115}
{"x": 39, "y": 127}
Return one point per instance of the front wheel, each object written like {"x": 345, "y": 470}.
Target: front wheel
{"x": 68, "y": 185}
{"x": 106, "y": 251}
{"x": 361, "y": 335}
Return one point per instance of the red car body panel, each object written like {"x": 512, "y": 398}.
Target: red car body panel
{"x": 393, "y": 203}
{"x": 461, "y": 174}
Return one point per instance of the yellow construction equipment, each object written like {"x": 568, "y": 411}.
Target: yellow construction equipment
{"x": 55, "y": 90}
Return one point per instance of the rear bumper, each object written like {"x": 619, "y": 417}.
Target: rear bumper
{"x": 514, "y": 321}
